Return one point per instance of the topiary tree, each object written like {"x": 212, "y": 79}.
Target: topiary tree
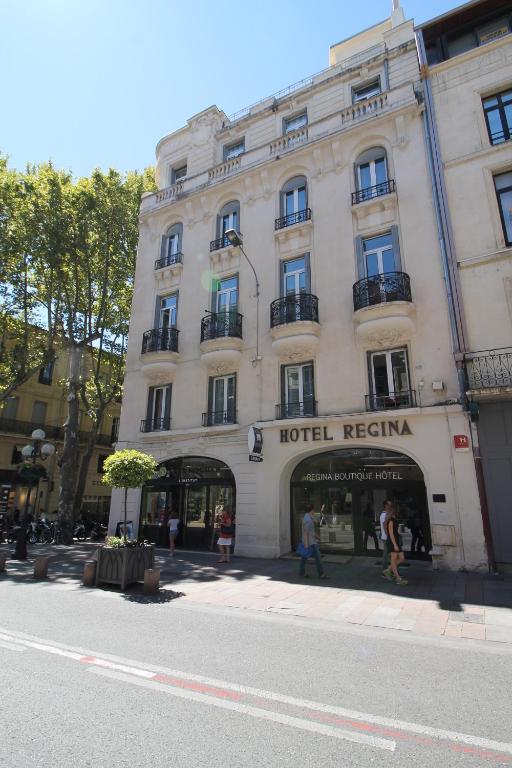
{"x": 128, "y": 469}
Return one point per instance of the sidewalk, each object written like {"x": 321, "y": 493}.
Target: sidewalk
{"x": 435, "y": 603}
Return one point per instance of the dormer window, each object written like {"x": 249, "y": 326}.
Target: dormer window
{"x": 234, "y": 150}
{"x": 366, "y": 90}
{"x": 294, "y": 123}
{"x": 178, "y": 173}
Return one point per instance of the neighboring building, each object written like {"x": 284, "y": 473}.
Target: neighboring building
{"x": 339, "y": 351}
{"x": 466, "y": 58}
{"x": 40, "y": 403}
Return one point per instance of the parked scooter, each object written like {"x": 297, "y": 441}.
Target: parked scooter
{"x": 98, "y": 532}
{"x": 79, "y": 532}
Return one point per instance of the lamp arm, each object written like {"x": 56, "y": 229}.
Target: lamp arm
{"x": 257, "y": 303}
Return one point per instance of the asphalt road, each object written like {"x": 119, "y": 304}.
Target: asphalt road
{"x": 95, "y": 678}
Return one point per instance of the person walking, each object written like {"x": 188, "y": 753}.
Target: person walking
{"x": 395, "y": 547}
{"x": 174, "y": 523}
{"x": 225, "y": 539}
{"x": 310, "y": 544}
{"x": 384, "y": 538}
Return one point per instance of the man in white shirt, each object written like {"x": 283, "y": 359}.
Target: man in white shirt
{"x": 384, "y": 537}
{"x": 309, "y": 540}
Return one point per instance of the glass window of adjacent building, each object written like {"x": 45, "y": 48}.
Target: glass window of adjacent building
{"x": 498, "y": 116}
{"x": 294, "y": 196}
{"x": 46, "y": 374}
{"x": 167, "y": 311}
{"x": 226, "y": 298}
{"x": 298, "y": 391}
{"x": 222, "y": 400}
{"x": 503, "y": 184}
{"x": 114, "y": 432}
{"x": 39, "y": 412}
{"x": 159, "y": 408}
{"x": 389, "y": 380}
{"x": 234, "y": 150}
{"x": 371, "y": 173}
{"x": 295, "y": 123}
{"x": 295, "y": 276}
{"x": 178, "y": 173}
{"x": 379, "y": 255}
{"x": 366, "y": 90}
{"x": 10, "y": 408}
{"x": 228, "y": 218}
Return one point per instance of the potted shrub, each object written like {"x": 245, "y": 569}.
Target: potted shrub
{"x": 121, "y": 561}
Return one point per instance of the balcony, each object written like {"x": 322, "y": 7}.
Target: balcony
{"x": 489, "y": 372}
{"x": 299, "y": 410}
{"x": 25, "y": 428}
{"x": 383, "y": 308}
{"x": 221, "y": 340}
{"x": 159, "y": 354}
{"x": 293, "y": 218}
{"x": 289, "y": 141}
{"x": 171, "y": 260}
{"x": 155, "y": 425}
{"x": 370, "y": 193}
{"x": 294, "y": 325}
{"x": 391, "y": 401}
{"x": 220, "y": 242}
{"x": 219, "y": 418}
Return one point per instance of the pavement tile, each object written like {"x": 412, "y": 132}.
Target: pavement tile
{"x": 453, "y": 629}
{"x": 473, "y": 631}
{"x": 498, "y": 634}
{"x": 501, "y": 617}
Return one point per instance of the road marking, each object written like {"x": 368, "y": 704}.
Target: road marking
{"x": 216, "y": 691}
{"x": 245, "y": 709}
{"x": 11, "y": 646}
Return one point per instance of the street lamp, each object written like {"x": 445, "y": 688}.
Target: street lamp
{"x": 37, "y": 450}
{"x": 235, "y": 238}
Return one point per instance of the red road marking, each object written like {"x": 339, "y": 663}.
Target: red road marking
{"x": 199, "y": 687}
{"x": 498, "y": 756}
{"x": 89, "y": 659}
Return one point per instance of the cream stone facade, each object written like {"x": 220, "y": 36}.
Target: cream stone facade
{"x": 467, "y": 67}
{"x": 328, "y": 330}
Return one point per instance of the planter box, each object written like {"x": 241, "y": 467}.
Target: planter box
{"x": 123, "y": 565}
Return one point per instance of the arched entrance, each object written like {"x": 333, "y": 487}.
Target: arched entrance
{"x": 197, "y": 488}
{"x": 347, "y": 488}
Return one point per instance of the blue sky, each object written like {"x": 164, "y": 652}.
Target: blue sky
{"x": 91, "y": 83}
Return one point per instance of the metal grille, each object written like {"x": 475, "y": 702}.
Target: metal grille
{"x": 220, "y": 324}
{"x": 290, "y": 309}
{"x": 155, "y": 425}
{"x": 168, "y": 261}
{"x": 393, "y": 400}
{"x": 296, "y": 410}
{"x": 160, "y": 340}
{"x": 384, "y": 188}
{"x": 489, "y": 369}
{"x": 379, "y": 289}
{"x": 292, "y": 218}
{"x": 220, "y": 242}
{"x": 214, "y": 418}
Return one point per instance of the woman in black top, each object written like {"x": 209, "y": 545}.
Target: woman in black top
{"x": 395, "y": 545}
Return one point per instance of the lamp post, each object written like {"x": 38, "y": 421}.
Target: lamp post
{"x": 235, "y": 238}
{"x": 31, "y": 452}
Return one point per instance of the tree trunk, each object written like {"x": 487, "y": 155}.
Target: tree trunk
{"x": 125, "y": 512}
{"x": 71, "y": 449}
{"x": 84, "y": 469}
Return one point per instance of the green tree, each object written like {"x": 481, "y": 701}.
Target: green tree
{"x": 128, "y": 469}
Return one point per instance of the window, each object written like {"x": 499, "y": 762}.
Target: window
{"x": 503, "y": 184}
{"x": 178, "y": 173}
{"x": 170, "y": 252}
{"x": 498, "y": 116}
{"x": 10, "y": 408}
{"x": 39, "y": 412}
{"x": 46, "y": 373}
{"x": 389, "y": 380}
{"x": 297, "y": 391}
{"x": 492, "y": 30}
{"x": 295, "y": 123}
{"x": 371, "y": 174}
{"x": 225, "y": 297}
{"x": 233, "y": 150}
{"x": 158, "y": 414}
{"x": 99, "y": 467}
{"x": 114, "y": 432}
{"x": 16, "y": 455}
{"x": 366, "y": 91}
{"x": 294, "y": 196}
{"x": 228, "y": 218}
{"x": 221, "y": 400}
{"x": 295, "y": 276}
{"x": 378, "y": 255}
{"x": 167, "y": 311}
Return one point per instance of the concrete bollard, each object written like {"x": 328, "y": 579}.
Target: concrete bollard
{"x": 89, "y": 577}
{"x": 3, "y": 558}
{"x": 151, "y": 581}
{"x": 41, "y": 567}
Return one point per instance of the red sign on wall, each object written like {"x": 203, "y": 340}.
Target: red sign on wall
{"x": 461, "y": 442}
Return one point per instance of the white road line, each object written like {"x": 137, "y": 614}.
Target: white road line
{"x": 147, "y": 670}
{"x": 261, "y": 714}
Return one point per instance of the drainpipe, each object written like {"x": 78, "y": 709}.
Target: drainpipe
{"x": 451, "y": 277}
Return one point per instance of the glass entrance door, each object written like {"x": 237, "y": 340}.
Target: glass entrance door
{"x": 196, "y": 513}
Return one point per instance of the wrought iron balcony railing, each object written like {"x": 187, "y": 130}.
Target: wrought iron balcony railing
{"x": 220, "y": 242}
{"x": 155, "y": 425}
{"x": 380, "y": 289}
{"x": 391, "y": 401}
{"x": 218, "y": 325}
{"x": 489, "y": 369}
{"x": 290, "y": 309}
{"x": 25, "y": 428}
{"x": 296, "y": 410}
{"x": 169, "y": 260}
{"x": 369, "y": 193}
{"x": 160, "y": 340}
{"x": 293, "y": 218}
{"x": 216, "y": 418}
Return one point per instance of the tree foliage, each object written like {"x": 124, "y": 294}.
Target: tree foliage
{"x": 128, "y": 469}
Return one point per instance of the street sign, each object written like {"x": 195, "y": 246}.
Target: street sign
{"x": 252, "y": 457}
{"x": 461, "y": 442}
{"x": 255, "y": 440}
